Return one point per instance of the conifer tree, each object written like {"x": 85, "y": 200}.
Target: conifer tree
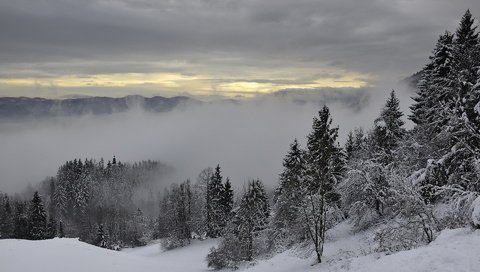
{"x": 51, "y": 231}
{"x": 240, "y": 241}
{"x": 325, "y": 165}
{"x": 227, "y": 200}
{"x": 215, "y": 211}
{"x": 21, "y": 221}
{"x": 467, "y": 60}
{"x": 288, "y": 196}
{"x": 388, "y": 128}
{"x": 61, "y": 230}
{"x": 434, "y": 100}
{"x": 466, "y": 34}
{"x": 101, "y": 239}
{"x": 349, "y": 145}
{"x": 6, "y": 218}
{"x": 37, "y": 219}
{"x": 474, "y": 100}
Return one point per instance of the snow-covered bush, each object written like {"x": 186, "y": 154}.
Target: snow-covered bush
{"x": 410, "y": 221}
{"x": 227, "y": 254}
{"x": 172, "y": 242}
{"x": 364, "y": 193}
{"x": 402, "y": 234}
{"x": 476, "y": 212}
{"x": 456, "y": 210}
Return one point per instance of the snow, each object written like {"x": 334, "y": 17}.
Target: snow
{"x": 71, "y": 255}
{"x": 381, "y": 124}
{"x": 477, "y": 108}
{"x": 476, "y": 211}
{"x": 453, "y": 250}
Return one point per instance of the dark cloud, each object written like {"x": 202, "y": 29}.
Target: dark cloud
{"x": 390, "y": 39}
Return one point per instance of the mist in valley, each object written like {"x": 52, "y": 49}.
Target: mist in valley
{"x": 247, "y": 137}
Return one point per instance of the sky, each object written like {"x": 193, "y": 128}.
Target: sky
{"x": 234, "y": 48}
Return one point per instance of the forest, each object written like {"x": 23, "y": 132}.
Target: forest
{"x": 408, "y": 185}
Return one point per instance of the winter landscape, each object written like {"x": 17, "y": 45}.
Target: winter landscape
{"x": 257, "y": 136}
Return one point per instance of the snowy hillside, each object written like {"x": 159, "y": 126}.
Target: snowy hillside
{"x": 72, "y": 255}
{"x": 453, "y": 250}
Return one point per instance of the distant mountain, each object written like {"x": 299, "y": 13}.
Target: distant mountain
{"x": 21, "y": 107}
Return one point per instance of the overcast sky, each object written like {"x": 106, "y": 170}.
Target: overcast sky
{"x": 53, "y": 48}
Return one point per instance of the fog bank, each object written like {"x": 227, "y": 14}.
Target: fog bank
{"x": 248, "y": 139}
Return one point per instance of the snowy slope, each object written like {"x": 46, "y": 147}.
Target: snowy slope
{"x": 72, "y": 255}
{"x": 454, "y": 250}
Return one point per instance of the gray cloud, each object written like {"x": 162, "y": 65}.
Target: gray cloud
{"x": 390, "y": 39}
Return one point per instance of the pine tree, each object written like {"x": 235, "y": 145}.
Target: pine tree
{"x": 227, "y": 201}
{"x": 288, "y": 196}
{"x": 101, "y": 239}
{"x": 350, "y": 145}
{"x": 215, "y": 213}
{"x": 474, "y": 100}
{"x": 51, "y": 231}
{"x": 139, "y": 228}
{"x": 322, "y": 151}
{"x": 324, "y": 168}
{"x": 21, "y": 221}
{"x": 37, "y": 219}
{"x": 6, "y": 218}
{"x": 388, "y": 129}
{"x": 467, "y": 60}
{"x": 466, "y": 34}
{"x": 61, "y": 230}
{"x": 434, "y": 99}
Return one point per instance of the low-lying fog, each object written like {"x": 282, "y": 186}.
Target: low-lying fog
{"x": 248, "y": 139}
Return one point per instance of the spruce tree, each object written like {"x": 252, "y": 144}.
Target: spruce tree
{"x": 51, "y": 231}
{"x": 215, "y": 210}
{"x": 101, "y": 239}
{"x": 474, "y": 101}
{"x": 37, "y": 219}
{"x": 388, "y": 129}
{"x": 288, "y": 196}
{"x": 227, "y": 200}
{"x": 325, "y": 166}
{"x": 6, "y": 218}
{"x": 467, "y": 60}
{"x": 349, "y": 145}
{"x": 61, "y": 230}
{"x": 21, "y": 221}
{"x": 433, "y": 104}
{"x": 466, "y": 34}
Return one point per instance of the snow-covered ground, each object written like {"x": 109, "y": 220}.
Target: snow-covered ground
{"x": 72, "y": 255}
{"x": 454, "y": 250}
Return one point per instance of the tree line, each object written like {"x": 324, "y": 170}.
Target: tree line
{"x": 101, "y": 203}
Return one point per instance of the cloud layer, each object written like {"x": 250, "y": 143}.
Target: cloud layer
{"x": 50, "y": 47}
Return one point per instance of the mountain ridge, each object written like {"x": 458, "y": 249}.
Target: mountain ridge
{"x": 23, "y": 107}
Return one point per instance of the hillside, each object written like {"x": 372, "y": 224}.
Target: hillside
{"x": 453, "y": 250}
